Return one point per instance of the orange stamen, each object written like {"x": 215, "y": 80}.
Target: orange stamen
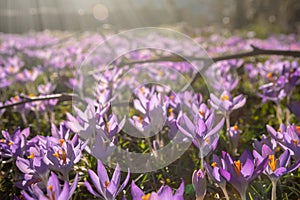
{"x": 61, "y": 141}
{"x": 31, "y": 156}
{"x": 214, "y": 164}
{"x": 298, "y": 128}
{"x": 202, "y": 113}
{"x": 146, "y": 197}
{"x": 235, "y": 128}
{"x": 270, "y": 76}
{"x": 50, "y": 187}
{"x": 224, "y": 97}
{"x": 279, "y": 130}
{"x": 237, "y": 167}
{"x": 107, "y": 126}
{"x": 142, "y": 90}
{"x": 140, "y": 118}
{"x": 296, "y": 142}
{"x": 106, "y": 184}
{"x": 272, "y": 162}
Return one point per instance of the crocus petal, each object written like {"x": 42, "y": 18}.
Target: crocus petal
{"x": 124, "y": 182}
{"x": 102, "y": 173}
{"x": 64, "y": 194}
{"x": 179, "y": 192}
{"x": 136, "y": 192}
{"x": 225, "y": 174}
{"x": 73, "y": 186}
{"x": 248, "y": 168}
{"x": 90, "y": 189}
{"x": 165, "y": 192}
{"x": 294, "y": 166}
{"x": 284, "y": 159}
{"x": 117, "y": 175}
{"x": 95, "y": 180}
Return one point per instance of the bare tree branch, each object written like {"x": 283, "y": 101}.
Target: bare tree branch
{"x": 256, "y": 51}
{"x": 26, "y": 99}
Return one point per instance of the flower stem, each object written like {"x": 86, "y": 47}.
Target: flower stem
{"x": 243, "y": 196}
{"x": 274, "y": 185}
{"x": 201, "y": 157}
{"x": 224, "y": 190}
{"x": 227, "y": 117}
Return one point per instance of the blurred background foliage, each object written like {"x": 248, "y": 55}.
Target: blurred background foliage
{"x": 261, "y": 16}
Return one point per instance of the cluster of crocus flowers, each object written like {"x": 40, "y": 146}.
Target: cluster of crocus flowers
{"x": 54, "y": 191}
{"x": 165, "y": 192}
{"x": 106, "y": 188}
{"x": 242, "y": 171}
{"x": 288, "y": 137}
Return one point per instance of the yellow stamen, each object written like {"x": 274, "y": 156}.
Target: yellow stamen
{"x": 106, "y": 184}
{"x": 279, "y": 130}
{"x": 235, "y": 128}
{"x": 61, "y": 155}
{"x": 224, "y": 97}
{"x": 296, "y": 142}
{"x": 3, "y": 140}
{"x": 202, "y": 113}
{"x": 298, "y": 128}
{"x": 50, "y": 187}
{"x": 31, "y": 156}
{"x": 160, "y": 73}
{"x": 10, "y": 143}
{"x": 16, "y": 98}
{"x": 214, "y": 164}
{"x": 61, "y": 141}
{"x": 31, "y": 95}
{"x": 142, "y": 90}
{"x": 11, "y": 69}
{"x": 172, "y": 97}
{"x": 107, "y": 126}
{"x": 171, "y": 112}
{"x": 272, "y": 162}
{"x": 237, "y": 167}
{"x": 140, "y": 118}
{"x": 146, "y": 197}
{"x": 207, "y": 140}
{"x": 270, "y": 76}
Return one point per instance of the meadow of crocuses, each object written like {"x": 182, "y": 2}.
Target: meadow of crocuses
{"x": 75, "y": 127}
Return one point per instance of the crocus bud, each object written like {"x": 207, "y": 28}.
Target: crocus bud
{"x": 199, "y": 183}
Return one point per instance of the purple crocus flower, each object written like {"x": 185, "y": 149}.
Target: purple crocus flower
{"x": 277, "y": 167}
{"x": 287, "y": 137}
{"x": 226, "y": 103}
{"x": 54, "y": 190}
{"x": 153, "y": 114}
{"x": 105, "y": 188}
{"x": 242, "y": 171}
{"x": 47, "y": 88}
{"x": 202, "y": 132}
{"x": 61, "y": 157}
{"x": 199, "y": 183}
{"x": 213, "y": 172}
{"x": 33, "y": 168}
{"x": 13, "y": 146}
{"x": 165, "y": 192}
